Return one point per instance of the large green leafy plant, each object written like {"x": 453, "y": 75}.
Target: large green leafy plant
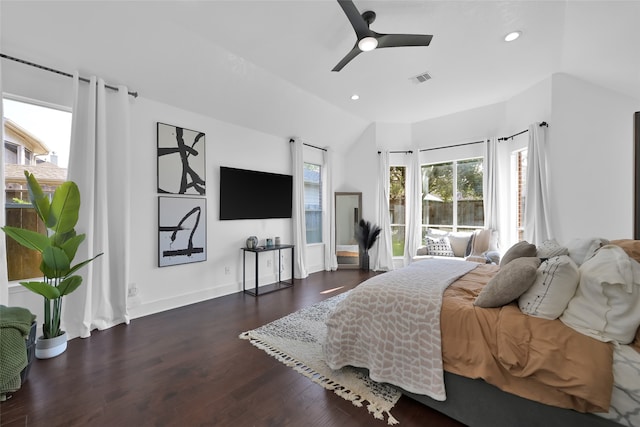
{"x": 58, "y": 248}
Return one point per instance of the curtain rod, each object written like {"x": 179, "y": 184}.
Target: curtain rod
{"x": 450, "y": 146}
{"x": 398, "y": 152}
{"x": 504, "y": 138}
{"x": 62, "y": 73}
{"x": 309, "y": 145}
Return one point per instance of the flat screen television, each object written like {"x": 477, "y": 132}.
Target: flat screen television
{"x": 249, "y": 194}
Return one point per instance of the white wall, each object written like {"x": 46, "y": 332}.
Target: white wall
{"x": 226, "y": 144}
{"x": 360, "y": 171}
{"x": 591, "y": 147}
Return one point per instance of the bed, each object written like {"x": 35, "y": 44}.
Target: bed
{"x": 481, "y": 366}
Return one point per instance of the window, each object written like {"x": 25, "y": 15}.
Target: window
{"x": 33, "y": 133}
{"x": 397, "y": 203}
{"x": 453, "y": 195}
{"x": 521, "y": 188}
{"x": 313, "y": 202}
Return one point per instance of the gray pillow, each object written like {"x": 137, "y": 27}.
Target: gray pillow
{"x": 520, "y": 249}
{"x": 512, "y": 280}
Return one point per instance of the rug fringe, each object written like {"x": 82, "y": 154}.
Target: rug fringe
{"x": 319, "y": 379}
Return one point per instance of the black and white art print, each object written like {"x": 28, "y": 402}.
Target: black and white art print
{"x": 182, "y": 230}
{"x": 181, "y": 160}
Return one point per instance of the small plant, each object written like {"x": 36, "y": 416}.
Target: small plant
{"x": 58, "y": 248}
{"x": 366, "y": 235}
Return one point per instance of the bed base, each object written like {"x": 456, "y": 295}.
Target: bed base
{"x": 479, "y": 404}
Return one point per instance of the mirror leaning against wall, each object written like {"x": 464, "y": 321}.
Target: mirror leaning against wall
{"x": 348, "y": 207}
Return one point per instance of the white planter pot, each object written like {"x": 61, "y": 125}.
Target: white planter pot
{"x": 47, "y": 348}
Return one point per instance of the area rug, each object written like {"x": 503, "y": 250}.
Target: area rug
{"x": 296, "y": 340}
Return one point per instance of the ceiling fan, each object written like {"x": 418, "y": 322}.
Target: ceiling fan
{"x": 369, "y": 39}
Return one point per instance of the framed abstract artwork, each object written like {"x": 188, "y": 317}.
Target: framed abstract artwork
{"x": 182, "y": 230}
{"x": 181, "y": 160}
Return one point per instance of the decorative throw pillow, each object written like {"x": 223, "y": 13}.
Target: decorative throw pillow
{"x": 439, "y": 247}
{"x": 551, "y": 248}
{"x": 511, "y": 281}
{"x": 520, "y": 249}
{"x": 555, "y": 284}
{"x": 606, "y": 305}
{"x": 580, "y": 250}
{"x": 459, "y": 241}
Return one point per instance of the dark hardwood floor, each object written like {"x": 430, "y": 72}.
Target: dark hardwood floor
{"x": 187, "y": 367}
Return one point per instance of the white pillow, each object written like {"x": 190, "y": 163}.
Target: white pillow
{"x": 459, "y": 241}
{"x": 439, "y": 247}
{"x": 550, "y": 248}
{"x": 581, "y": 250}
{"x": 555, "y": 285}
{"x": 606, "y": 305}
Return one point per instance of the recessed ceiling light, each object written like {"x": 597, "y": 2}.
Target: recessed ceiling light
{"x": 512, "y": 36}
{"x": 355, "y": 97}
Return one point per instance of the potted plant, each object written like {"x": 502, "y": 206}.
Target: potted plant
{"x": 366, "y": 235}
{"x": 58, "y": 249}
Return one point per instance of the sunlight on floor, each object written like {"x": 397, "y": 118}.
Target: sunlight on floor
{"x": 328, "y": 291}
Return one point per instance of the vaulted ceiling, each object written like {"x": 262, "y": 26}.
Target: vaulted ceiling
{"x": 265, "y": 54}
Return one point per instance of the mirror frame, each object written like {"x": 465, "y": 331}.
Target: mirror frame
{"x": 636, "y": 186}
{"x": 335, "y": 206}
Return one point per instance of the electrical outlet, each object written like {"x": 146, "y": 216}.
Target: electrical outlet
{"x": 227, "y": 270}
{"x": 133, "y": 290}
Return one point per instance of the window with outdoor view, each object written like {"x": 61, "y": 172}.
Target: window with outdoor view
{"x": 452, "y": 196}
{"x": 397, "y": 200}
{"x": 520, "y": 163}
{"x": 36, "y": 138}
{"x": 313, "y": 202}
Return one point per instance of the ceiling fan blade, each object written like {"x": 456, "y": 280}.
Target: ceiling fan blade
{"x": 354, "y": 52}
{"x": 358, "y": 23}
{"x": 399, "y": 40}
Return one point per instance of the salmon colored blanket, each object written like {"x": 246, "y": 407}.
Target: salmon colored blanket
{"x": 538, "y": 359}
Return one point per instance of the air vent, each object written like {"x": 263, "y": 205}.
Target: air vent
{"x": 421, "y": 78}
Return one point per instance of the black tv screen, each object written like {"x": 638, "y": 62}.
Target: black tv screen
{"x": 248, "y": 194}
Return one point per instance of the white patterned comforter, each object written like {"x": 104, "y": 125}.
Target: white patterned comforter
{"x": 625, "y": 398}
{"x": 390, "y": 325}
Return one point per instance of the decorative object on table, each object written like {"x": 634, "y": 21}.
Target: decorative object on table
{"x": 277, "y": 241}
{"x": 182, "y": 230}
{"x": 57, "y": 249}
{"x": 181, "y": 160}
{"x": 269, "y": 243}
{"x": 296, "y": 340}
{"x": 366, "y": 235}
{"x": 252, "y": 242}
{"x": 15, "y": 324}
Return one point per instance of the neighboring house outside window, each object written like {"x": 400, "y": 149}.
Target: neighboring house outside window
{"x": 452, "y": 196}
{"x": 397, "y": 208}
{"x": 520, "y": 163}
{"x": 21, "y": 152}
{"x": 313, "y": 202}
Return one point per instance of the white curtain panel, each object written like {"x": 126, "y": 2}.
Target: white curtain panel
{"x": 382, "y": 252}
{"x": 298, "y": 217}
{"x": 4, "y": 279}
{"x": 99, "y": 165}
{"x": 413, "y": 232}
{"x": 329, "y": 215}
{"x": 537, "y": 221}
{"x": 490, "y": 184}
